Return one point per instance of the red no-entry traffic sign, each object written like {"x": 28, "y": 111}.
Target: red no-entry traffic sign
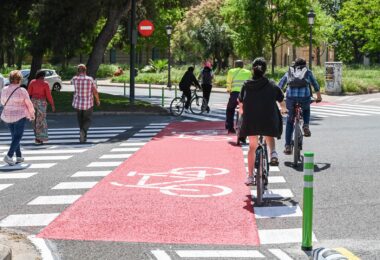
{"x": 146, "y": 28}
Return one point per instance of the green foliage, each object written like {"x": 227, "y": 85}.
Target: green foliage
{"x": 159, "y": 65}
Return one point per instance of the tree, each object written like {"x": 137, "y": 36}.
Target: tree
{"x": 359, "y": 30}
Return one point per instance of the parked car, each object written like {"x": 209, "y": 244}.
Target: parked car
{"x": 54, "y": 80}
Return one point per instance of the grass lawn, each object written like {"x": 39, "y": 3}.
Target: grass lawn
{"x": 63, "y": 101}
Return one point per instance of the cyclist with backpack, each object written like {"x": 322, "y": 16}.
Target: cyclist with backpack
{"x": 206, "y": 76}
{"x": 298, "y": 80}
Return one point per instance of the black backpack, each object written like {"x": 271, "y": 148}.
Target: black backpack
{"x": 297, "y": 77}
{"x": 206, "y": 76}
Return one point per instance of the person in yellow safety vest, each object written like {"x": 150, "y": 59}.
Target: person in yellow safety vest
{"x": 235, "y": 79}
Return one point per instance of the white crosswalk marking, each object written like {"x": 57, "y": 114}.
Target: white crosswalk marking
{"x": 220, "y": 253}
{"x": 26, "y": 220}
{"x": 127, "y": 149}
{"x": 132, "y": 144}
{"x": 278, "y": 212}
{"x": 74, "y": 185}
{"x": 104, "y": 164}
{"x": 18, "y": 175}
{"x": 4, "y": 186}
{"x": 275, "y": 193}
{"x": 280, "y": 254}
{"x": 54, "y": 200}
{"x": 47, "y": 158}
{"x": 116, "y": 156}
{"x": 91, "y": 174}
{"x": 281, "y": 236}
{"x": 27, "y": 166}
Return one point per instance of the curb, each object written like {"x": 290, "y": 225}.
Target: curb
{"x": 5, "y": 252}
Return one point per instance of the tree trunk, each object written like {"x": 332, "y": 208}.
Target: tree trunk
{"x": 273, "y": 48}
{"x": 318, "y": 56}
{"x": 36, "y": 64}
{"x": 2, "y": 58}
{"x": 294, "y": 53}
{"x": 105, "y": 36}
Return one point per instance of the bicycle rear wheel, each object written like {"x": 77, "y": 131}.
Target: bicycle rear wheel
{"x": 198, "y": 105}
{"x": 238, "y": 122}
{"x": 297, "y": 144}
{"x": 176, "y": 106}
{"x": 259, "y": 178}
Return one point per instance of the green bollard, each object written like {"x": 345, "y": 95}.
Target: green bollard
{"x": 150, "y": 90}
{"x": 175, "y": 91}
{"x": 163, "y": 96}
{"x": 307, "y": 218}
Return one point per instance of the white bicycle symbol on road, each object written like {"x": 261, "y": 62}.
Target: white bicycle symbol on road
{"x": 205, "y": 135}
{"x": 180, "y": 186}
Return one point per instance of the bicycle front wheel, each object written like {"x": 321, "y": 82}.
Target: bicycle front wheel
{"x": 177, "y": 106}
{"x": 297, "y": 145}
{"x": 198, "y": 105}
{"x": 259, "y": 179}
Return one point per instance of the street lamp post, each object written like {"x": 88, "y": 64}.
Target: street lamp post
{"x": 169, "y": 30}
{"x": 310, "y": 17}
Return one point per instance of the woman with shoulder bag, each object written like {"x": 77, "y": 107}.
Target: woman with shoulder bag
{"x": 17, "y": 108}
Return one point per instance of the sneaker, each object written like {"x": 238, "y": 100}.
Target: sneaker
{"x": 250, "y": 181}
{"x": 274, "y": 159}
{"x": 288, "y": 150}
{"x": 20, "y": 159}
{"x": 306, "y": 131}
{"x": 8, "y": 160}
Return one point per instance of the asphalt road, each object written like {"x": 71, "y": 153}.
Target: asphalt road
{"x": 346, "y": 201}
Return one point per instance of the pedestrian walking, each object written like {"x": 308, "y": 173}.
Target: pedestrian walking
{"x": 187, "y": 80}
{"x": 17, "y": 109}
{"x": 39, "y": 91}
{"x": 235, "y": 79}
{"x": 83, "y": 101}
{"x": 206, "y": 76}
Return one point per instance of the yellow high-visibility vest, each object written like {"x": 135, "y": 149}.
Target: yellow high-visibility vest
{"x": 236, "y": 77}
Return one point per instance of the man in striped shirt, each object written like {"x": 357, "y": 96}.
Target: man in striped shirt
{"x": 298, "y": 90}
{"x": 83, "y": 100}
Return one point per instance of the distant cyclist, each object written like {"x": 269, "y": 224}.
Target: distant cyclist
{"x": 298, "y": 80}
{"x": 258, "y": 99}
{"x": 187, "y": 80}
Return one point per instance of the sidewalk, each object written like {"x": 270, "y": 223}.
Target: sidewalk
{"x": 14, "y": 245}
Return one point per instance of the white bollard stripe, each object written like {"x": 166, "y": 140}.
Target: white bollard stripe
{"x": 308, "y": 184}
{"x": 308, "y": 172}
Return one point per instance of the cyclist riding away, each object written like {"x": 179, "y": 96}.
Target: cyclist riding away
{"x": 298, "y": 80}
{"x": 187, "y": 80}
{"x": 258, "y": 99}
{"x": 235, "y": 80}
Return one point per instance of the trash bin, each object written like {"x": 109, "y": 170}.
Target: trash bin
{"x": 333, "y": 78}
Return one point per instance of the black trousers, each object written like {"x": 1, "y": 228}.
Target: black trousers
{"x": 187, "y": 94}
{"x": 206, "y": 92}
{"x": 230, "y": 111}
{"x": 84, "y": 120}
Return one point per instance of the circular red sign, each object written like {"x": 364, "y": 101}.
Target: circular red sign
{"x": 146, "y": 28}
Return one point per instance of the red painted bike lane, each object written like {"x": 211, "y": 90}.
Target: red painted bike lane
{"x": 186, "y": 186}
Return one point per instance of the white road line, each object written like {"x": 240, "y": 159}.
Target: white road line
{"x": 28, "y": 220}
{"x": 55, "y": 133}
{"x": 158, "y": 124}
{"x": 155, "y": 127}
{"x": 51, "y": 151}
{"x": 4, "y": 186}
{"x": 325, "y": 114}
{"x": 47, "y": 158}
{"x": 132, "y": 144}
{"x": 54, "y": 200}
{"x": 145, "y": 134}
{"x": 278, "y": 212}
{"x": 271, "y": 168}
{"x": 280, "y": 254}
{"x": 150, "y": 131}
{"x": 27, "y": 166}
{"x": 281, "y": 236}
{"x": 334, "y": 111}
{"x": 160, "y": 254}
{"x": 21, "y": 175}
{"x": 376, "y": 108}
{"x": 61, "y": 141}
{"x": 220, "y": 253}
{"x": 104, "y": 164}
{"x": 127, "y": 149}
{"x": 40, "y": 244}
{"x": 275, "y": 194}
{"x": 350, "y": 109}
{"x": 202, "y": 117}
{"x": 91, "y": 174}
{"x": 116, "y": 156}
{"x": 74, "y": 185}
{"x": 276, "y": 179}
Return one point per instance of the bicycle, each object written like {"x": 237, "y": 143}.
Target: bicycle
{"x": 198, "y": 104}
{"x": 238, "y": 124}
{"x": 262, "y": 170}
{"x": 297, "y": 140}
